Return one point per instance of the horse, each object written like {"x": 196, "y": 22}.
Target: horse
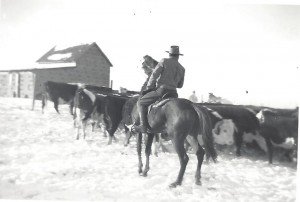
{"x": 178, "y": 118}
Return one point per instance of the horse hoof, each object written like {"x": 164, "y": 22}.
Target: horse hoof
{"x": 174, "y": 184}
{"x": 198, "y": 182}
{"x": 144, "y": 174}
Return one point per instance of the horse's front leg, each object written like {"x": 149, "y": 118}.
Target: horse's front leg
{"x": 157, "y": 143}
{"x": 128, "y": 135}
{"x": 148, "y": 152}
{"x": 139, "y": 151}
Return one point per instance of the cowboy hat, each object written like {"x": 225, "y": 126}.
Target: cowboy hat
{"x": 174, "y": 50}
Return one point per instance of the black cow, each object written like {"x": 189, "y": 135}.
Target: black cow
{"x": 113, "y": 108}
{"x": 58, "y": 92}
{"x": 280, "y": 129}
{"x": 274, "y": 128}
{"x": 244, "y": 121}
{"x": 94, "y": 103}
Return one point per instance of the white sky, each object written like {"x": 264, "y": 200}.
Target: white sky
{"x": 228, "y": 48}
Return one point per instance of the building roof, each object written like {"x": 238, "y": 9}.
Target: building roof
{"x": 68, "y": 54}
{"x": 59, "y": 57}
{"x": 38, "y": 66}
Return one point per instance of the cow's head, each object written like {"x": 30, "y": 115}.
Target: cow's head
{"x": 224, "y": 131}
{"x": 264, "y": 113}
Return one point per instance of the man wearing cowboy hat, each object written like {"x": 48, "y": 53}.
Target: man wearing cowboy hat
{"x": 165, "y": 78}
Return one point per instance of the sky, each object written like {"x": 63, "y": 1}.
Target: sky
{"x": 246, "y": 53}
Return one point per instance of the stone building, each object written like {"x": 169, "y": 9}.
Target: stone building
{"x": 85, "y": 63}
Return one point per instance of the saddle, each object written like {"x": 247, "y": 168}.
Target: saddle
{"x": 163, "y": 100}
{"x": 160, "y": 102}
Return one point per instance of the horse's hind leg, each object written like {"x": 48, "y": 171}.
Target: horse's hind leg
{"x": 199, "y": 151}
{"x": 148, "y": 152}
{"x": 200, "y": 155}
{"x": 178, "y": 143}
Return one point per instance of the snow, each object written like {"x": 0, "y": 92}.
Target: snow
{"x": 54, "y": 65}
{"x": 41, "y": 160}
{"x": 59, "y": 56}
{"x": 65, "y": 45}
{"x": 42, "y": 66}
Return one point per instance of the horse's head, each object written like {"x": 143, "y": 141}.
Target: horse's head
{"x": 146, "y": 68}
{"x": 150, "y": 62}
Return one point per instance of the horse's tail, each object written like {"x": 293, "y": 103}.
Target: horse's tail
{"x": 205, "y": 127}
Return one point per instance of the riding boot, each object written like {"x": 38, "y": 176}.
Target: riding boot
{"x": 142, "y": 128}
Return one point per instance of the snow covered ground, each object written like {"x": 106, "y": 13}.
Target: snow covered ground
{"x": 41, "y": 160}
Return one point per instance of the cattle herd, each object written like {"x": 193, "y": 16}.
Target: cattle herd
{"x": 267, "y": 129}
